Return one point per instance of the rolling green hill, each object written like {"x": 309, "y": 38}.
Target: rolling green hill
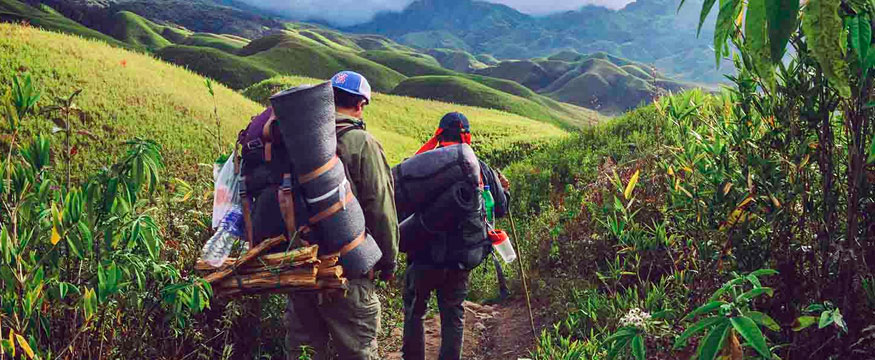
{"x": 408, "y": 63}
{"x": 469, "y": 92}
{"x": 234, "y": 71}
{"x": 225, "y": 43}
{"x": 137, "y": 31}
{"x": 15, "y": 11}
{"x": 127, "y": 94}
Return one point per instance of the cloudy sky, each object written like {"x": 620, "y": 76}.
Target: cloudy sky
{"x": 337, "y": 11}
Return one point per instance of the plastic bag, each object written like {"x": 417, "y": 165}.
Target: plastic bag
{"x": 226, "y": 191}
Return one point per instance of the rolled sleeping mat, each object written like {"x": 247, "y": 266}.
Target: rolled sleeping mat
{"x": 443, "y": 215}
{"x": 419, "y": 179}
{"x": 305, "y": 117}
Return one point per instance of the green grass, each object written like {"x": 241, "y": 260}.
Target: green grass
{"x": 408, "y": 63}
{"x": 402, "y": 123}
{"x": 222, "y": 42}
{"x": 601, "y": 85}
{"x": 13, "y": 10}
{"x": 456, "y": 60}
{"x": 124, "y": 95}
{"x": 234, "y": 71}
{"x": 137, "y": 31}
{"x": 469, "y": 92}
{"x": 292, "y": 53}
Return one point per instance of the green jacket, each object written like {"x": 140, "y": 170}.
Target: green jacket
{"x": 373, "y": 186}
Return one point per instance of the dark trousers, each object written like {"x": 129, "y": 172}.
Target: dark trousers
{"x": 451, "y": 287}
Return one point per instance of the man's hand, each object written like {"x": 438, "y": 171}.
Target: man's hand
{"x": 503, "y": 180}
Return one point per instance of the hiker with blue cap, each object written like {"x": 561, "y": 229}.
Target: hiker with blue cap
{"x": 351, "y": 322}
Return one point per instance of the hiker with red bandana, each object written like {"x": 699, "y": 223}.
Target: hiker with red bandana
{"x": 445, "y": 273}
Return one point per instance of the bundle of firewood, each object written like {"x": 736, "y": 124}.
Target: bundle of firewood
{"x": 291, "y": 270}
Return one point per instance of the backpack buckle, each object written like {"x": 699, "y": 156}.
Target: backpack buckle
{"x": 254, "y": 144}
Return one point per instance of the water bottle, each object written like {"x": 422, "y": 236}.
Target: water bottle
{"x": 489, "y": 202}
{"x": 502, "y": 245}
{"x": 219, "y": 247}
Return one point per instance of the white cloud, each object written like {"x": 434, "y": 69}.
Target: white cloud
{"x": 543, "y": 7}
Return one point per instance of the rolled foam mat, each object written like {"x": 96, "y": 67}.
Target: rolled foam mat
{"x": 420, "y": 179}
{"x": 305, "y": 116}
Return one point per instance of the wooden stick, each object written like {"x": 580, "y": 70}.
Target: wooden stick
{"x": 294, "y": 255}
{"x": 328, "y": 261}
{"x": 251, "y": 254}
{"x": 277, "y": 268}
{"x": 334, "y": 272}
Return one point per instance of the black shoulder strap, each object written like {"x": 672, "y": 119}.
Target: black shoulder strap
{"x": 350, "y": 127}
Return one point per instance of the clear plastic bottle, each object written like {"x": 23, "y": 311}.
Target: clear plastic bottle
{"x": 502, "y": 245}
{"x": 489, "y": 202}
{"x": 219, "y": 247}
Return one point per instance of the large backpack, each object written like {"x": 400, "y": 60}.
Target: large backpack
{"x": 268, "y": 187}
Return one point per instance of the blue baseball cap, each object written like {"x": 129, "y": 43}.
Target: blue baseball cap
{"x": 353, "y": 83}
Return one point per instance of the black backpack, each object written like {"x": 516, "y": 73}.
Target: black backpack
{"x": 267, "y": 182}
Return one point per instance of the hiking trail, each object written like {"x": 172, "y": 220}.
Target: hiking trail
{"x": 495, "y": 332}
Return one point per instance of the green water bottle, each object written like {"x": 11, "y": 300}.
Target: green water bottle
{"x": 489, "y": 202}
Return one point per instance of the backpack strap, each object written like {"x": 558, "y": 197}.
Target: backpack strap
{"x": 247, "y": 213}
{"x": 267, "y": 136}
{"x": 287, "y": 208}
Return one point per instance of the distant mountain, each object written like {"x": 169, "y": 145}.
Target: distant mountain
{"x": 650, "y": 31}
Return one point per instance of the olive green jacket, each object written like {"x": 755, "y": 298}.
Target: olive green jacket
{"x": 373, "y": 186}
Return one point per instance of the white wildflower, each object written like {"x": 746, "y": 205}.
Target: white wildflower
{"x": 636, "y": 318}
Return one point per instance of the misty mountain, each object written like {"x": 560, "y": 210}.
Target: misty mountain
{"x": 651, "y": 31}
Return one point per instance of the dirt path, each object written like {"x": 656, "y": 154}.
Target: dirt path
{"x": 495, "y": 332}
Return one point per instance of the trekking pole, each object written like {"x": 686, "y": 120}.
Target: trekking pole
{"x": 523, "y": 274}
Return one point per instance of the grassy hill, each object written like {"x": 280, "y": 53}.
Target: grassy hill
{"x": 227, "y": 43}
{"x": 234, "y": 71}
{"x": 124, "y": 95}
{"x": 465, "y": 91}
{"x": 15, "y": 11}
{"x": 127, "y": 94}
{"x": 137, "y": 31}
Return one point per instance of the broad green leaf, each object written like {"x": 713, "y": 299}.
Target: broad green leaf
{"x": 803, "y": 322}
{"x": 756, "y": 39}
{"x": 755, "y": 293}
{"x": 839, "y": 320}
{"x": 696, "y": 328}
{"x": 706, "y": 9}
{"x": 704, "y": 309}
{"x": 764, "y": 320}
{"x": 815, "y": 308}
{"x": 62, "y": 290}
{"x": 764, "y": 272}
{"x": 620, "y": 334}
{"x": 713, "y": 343}
{"x": 638, "y": 347}
{"x": 725, "y": 27}
{"x": 751, "y": 332}
{"x": 860, "y": 31}
{"x": 782, "y": 16}
{"x": 824, "y": 30}
{"x": 825, "y": 319}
